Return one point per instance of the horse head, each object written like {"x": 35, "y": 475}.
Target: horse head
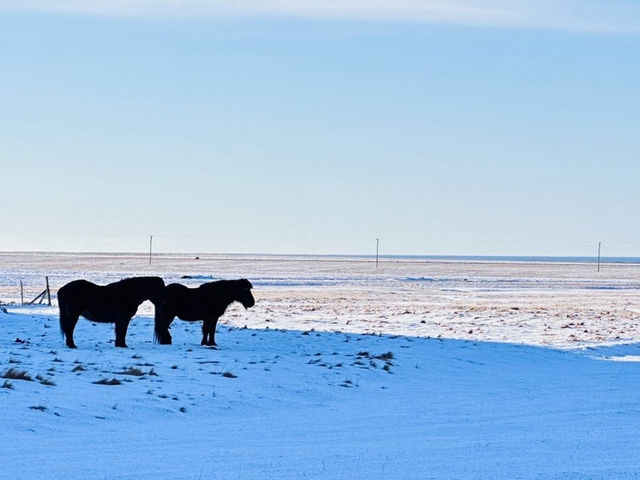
{"x": 243, "y": 293}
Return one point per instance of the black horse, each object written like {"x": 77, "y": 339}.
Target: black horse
{"x": 207, "y": 303}
{"x": 115, "y": 303}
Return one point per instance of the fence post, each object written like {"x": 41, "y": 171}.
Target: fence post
{"x": 48, "y": 291}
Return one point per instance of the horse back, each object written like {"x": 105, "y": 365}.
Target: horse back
{"x": 77, "y": 293}
{"x": 137, "y": 289}
{"x": 185, "y": 303}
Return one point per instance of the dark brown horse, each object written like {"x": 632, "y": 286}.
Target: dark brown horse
{"x": 207, "y": 302}
{"x": 115, "y": 303}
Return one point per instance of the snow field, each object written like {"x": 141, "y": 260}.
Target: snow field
{"x": 417, "y": 370}
{"x": 305, "y": 404}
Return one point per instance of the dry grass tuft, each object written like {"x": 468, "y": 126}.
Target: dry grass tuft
{"x": 45, "y": 381}
{"x": 133, "y": 371}
{"x": 104, "y": 381}
{"x": 15, "y": 374}
{"x": 385, "y": 356}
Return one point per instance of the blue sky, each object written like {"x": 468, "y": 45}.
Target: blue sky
{"x": 497, "y": 128}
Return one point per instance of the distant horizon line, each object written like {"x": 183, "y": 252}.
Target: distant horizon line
{"x": 523, "y": 258}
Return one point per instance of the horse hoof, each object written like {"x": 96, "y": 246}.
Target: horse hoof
{"x": 121, "y": 345}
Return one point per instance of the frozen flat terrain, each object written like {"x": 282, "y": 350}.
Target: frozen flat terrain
{"x": 416, "y": 369}
{"x": 555, "y": 304}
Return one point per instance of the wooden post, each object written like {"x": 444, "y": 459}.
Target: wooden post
{"x": 38, "y": 298}
{"x": 150, "y": 245}
{"x": 21, "y": 293}
{"x": 48, "y": 291}
{"x": 599, "y": 245}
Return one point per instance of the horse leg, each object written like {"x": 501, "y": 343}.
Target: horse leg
{"x": 68, "y": 322}
{"x": 162, "y": 322}
{"x": 122, "y": 323}
{"x": 212, "y": 333}
{"x": 164, "y": 336}
{"x": 206, "y": 328}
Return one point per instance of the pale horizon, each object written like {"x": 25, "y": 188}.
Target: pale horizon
{"x": 370, "y": 255}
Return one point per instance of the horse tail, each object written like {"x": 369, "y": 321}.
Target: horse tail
{"x": 161, "y": 333}
{"x": 62, "y": 307}
{"x": 68, "y": 306}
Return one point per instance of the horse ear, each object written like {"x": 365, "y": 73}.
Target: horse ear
{"x": 246, "y": 283}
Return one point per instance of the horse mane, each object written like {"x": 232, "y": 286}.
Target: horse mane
{"x": 222, "y": 285}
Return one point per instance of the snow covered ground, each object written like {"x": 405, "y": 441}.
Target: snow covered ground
{"x": 412, "y": 370}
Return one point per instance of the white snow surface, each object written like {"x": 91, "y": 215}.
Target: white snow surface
{"x": 333, "y": 374}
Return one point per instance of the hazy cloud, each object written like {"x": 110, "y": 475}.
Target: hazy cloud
{"x": 580, "y": 15}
